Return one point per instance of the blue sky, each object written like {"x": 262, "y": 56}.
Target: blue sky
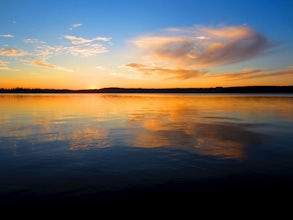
{"x": 186, "y": 43}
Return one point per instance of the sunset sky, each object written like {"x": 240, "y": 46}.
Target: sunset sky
{"x": 84, "y": 44}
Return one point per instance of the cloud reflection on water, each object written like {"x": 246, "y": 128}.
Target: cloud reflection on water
{"x": 226, "y": 141}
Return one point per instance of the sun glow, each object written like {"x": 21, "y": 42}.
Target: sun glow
{"x": 94, "y": 87}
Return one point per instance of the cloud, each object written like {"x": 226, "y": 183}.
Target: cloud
{"x": 6, "y": 35}
{"x": 185, "y": 51}
{"x": 4, "y": 66}
{"x": 232, "y": 32}
{"x": 40, "y": 52}
{"x": 33, "y": 41}
{"x": 234, "y": 44}
{"x": 12, "y": 52}
{"x": 201, "y": 37}
{"x": 85, "y": 47}
{"x": 256, "y": 73}
{"x": 43, "y": 63}
{"x": 135, "y": 65}
{"x": 2, "y": 63}
{"x": 107, "y": 39}
{"x": 183, "y": 74}
{"x": 203, "y": 46}
{"x": 80, "y": 47}
{"x": 75, "y": 26}
{"x": 168, "y": 73}
{"x": 79, "y": 40}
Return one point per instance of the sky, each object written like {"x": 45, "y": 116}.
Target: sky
{"x": 91, "y": 44}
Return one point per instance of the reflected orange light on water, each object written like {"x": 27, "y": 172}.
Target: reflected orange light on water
{"x": 204, "y": 124}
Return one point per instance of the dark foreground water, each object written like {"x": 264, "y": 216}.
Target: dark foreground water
{"x": 87, "y": 149}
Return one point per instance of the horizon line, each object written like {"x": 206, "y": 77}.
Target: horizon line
{"x": 218, "y": 89}
{"x": 116, "y": 87}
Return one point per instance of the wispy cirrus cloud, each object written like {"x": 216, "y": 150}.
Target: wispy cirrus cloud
{"x": 45, "y": 64}
{"x": 188, "y": 50}
{"x": 85, "y": 50}
{"x": 7, "y": 35}
{"x": 80, "y": 47}
{"x": 39, "y": 53}
{"x": 4, "y": 66}
{"x": 73, "y": 26}
{"x": 41, "y": 63}
{"x": 12, "y": 52}
{"x": 79, "y": 40}
{"x": 33, "y": 41}
{"x": 167, "y": 73}
{"x": 245, "y": 74}
{"x": 41, "y": 50}
{"x": 86, "y": 47}
{"x": 256, "y": 73}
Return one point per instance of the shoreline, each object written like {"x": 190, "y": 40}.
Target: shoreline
{"x": 244, "y": 89}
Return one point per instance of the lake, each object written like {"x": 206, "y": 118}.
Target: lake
{"x": 117, "y": 148}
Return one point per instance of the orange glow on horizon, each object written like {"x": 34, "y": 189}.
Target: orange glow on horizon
{"x": 199, "y": 83}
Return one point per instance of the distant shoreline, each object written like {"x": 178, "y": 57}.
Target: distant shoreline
{"x": 244, "y": 89}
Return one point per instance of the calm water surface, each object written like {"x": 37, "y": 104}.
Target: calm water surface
{"x": 56, "y": 147}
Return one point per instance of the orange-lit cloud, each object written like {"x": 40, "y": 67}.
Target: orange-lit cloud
{"x": 4, "y": 66}
{"x": 12, "y": 52}
{"x": 183, "y": 52}
{"x": 187, "y": 74}
{"x": 256, "y": 73}
{"x": 202, "y": 46}
{"x": 232, "y": 44}
{"x": 43, "y": 63}
{"x": 233, "y": 32}
{"x": 166, "y": 72}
